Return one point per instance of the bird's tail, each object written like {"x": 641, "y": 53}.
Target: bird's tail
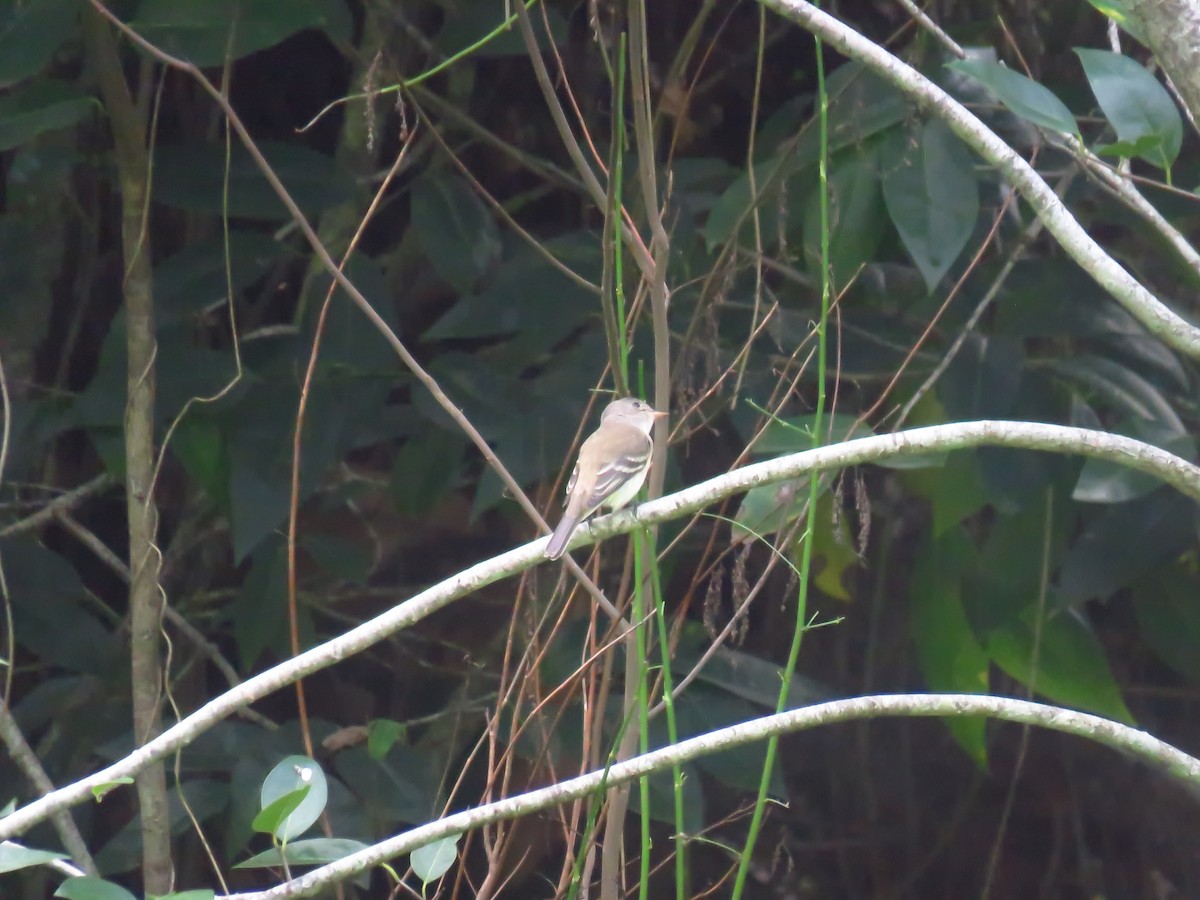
{"x": 562, "y": 534}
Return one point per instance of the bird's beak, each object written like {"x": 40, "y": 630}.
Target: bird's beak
{"x": 660, "y": 415}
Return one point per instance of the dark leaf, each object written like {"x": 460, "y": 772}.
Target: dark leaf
{"x": 455, "y": 229}
{"x": 1021, "y": 95}
{"x": 30, "y": 32}
{"x": 951, "y": 657}
{"x": 855, "y": 223}
{"x": 307, "y": 852}
{"x": 204, "y": 32}
{"x": 1168, "y": 616}
{"x": 192, "y": 177}
{"x": 1125, "y": 542}
{"x": 1135, "y": 103}
{"x": 931, "y": 193}
{"x": 38, "y": 107}
{"x": 86, "y": 887}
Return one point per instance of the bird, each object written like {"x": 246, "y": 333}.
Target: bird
{"x": 611, "y": 468}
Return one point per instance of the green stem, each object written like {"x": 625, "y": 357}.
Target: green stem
{"x": 756, "y": 819}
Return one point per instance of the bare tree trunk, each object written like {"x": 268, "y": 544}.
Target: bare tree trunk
{"x": 145, "y": 600}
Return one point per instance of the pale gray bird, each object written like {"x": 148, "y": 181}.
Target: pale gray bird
{"x": 612, "y": 466}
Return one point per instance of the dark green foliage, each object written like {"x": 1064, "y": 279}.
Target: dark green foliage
{"x": 981, "y": 570}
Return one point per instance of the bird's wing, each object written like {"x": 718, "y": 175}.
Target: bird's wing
{"x": 631, "y": 458}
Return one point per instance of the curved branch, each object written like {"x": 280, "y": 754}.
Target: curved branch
{"x": 1104, "y": 731}
{"x": 1107, "y": 272}
{"x": 1028, "y": 435}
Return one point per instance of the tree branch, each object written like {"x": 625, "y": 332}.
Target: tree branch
{"x": 1028, "y": 435}
{"x": 1079, "y": 245}
{"x": 1112, "y": 734}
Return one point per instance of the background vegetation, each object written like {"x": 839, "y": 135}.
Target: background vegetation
{"x": 164, "y": 312}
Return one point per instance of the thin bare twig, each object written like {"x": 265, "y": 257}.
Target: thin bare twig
{"x": 60, "y": 504}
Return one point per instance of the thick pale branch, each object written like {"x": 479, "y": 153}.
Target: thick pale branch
{"x": 1172, "y": 28}
{"x": 1030, "y": 435}
{"x": 1104, "y": 731}
{"x": 1108, "y": 273}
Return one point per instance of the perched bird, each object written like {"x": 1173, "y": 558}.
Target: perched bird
{"x": 611, "y": 468}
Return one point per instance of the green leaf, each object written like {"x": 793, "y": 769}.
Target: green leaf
{"x": 382, "y": 735}
{"x": 951, "y": 658}
{"x": 259, "y": 610}
{"x": 290, "y": 775}
{"x": 100, "y": 791}
{"x": 1168, "y": 616}
{"x": 729, "y": 212}
{"x": 30, "y": 32}
{"x": 741, "y": 674}
{"x": 1122, "y": 389}
{"x": 1118, "y": 11}
{"x": 833, "y": 549}
{"x": 192, "y": 177}
{"x": 1022, "y": 96}
{"x": 455, "y": 229}
{"x": 401, "y": 787}
{"x": 768, "y": 509}
{"x": 205, "y": 798}
{"x": 469, "y": 21}
{"x": 256, "y": 423}
{"x": 271, "y": 817}
{"x": 1007, "y": 581}
{"x": 931, "y": 193}
{"x": 85, "y": 887}
{"x": 14, "y": 857}
{"x": 861, "y": 105}
{"x": 38, "y": 107}
{"x": 701, "y": 710}
{"x": 432, "y": 861}
{"x": 1147, "y": 143}
{"x": 1125, "y": 542}
{"x": 426, "y": 468}
{"x": 983, "y": 380}
{"x": 52, "y": 612}
{"x": 855, "y": 223}
{"x": 1134, "y": 102}
{"x": 204, "y": 31}
{"x": 307, "y": 852}
{"x": 525, "y": 300}
{"x": 199, "y": 443}
{"x": 199, "y": 276}
{"x": 1071, "y": 668}
{"x": 955, "y": 490}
